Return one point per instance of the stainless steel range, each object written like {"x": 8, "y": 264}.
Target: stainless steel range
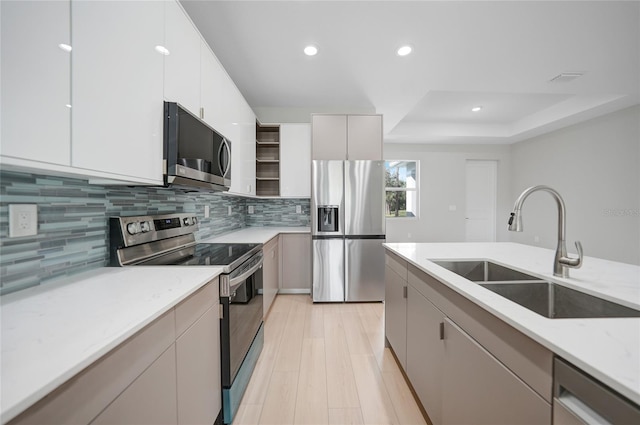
{"x": 169, "y": 240}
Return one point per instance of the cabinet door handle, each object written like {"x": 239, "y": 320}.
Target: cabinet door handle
{"x": 201, "y": 113}
{"x": 404, "y": 292}
{"x": 441, "y": 330}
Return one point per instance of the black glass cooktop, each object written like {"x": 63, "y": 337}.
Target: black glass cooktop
{"x": 206, "y": 254}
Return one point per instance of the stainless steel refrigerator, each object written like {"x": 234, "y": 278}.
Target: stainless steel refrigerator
{"x": 348, "y": 229}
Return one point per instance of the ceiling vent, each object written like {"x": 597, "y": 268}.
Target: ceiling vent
{"x": 566, "y": 77}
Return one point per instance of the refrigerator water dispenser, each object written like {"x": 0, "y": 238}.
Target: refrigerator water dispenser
{"x": 327, "y": 218}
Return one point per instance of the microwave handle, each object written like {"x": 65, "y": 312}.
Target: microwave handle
{"x": 224, "y": 144}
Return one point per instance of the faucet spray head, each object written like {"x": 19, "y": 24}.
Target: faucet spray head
{"x": 515, "y": 221}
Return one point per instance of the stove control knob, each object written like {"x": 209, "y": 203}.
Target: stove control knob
{"x": 187, "y": 221}
{"x": 133, "y": 228}
{"x": 145, "y": 226}
{"x": 194, "y": 220}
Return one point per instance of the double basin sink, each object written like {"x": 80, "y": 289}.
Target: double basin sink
{"x": 538, "y": 295}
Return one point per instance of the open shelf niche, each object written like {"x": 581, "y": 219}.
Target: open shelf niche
{"x": 267, "y": 160}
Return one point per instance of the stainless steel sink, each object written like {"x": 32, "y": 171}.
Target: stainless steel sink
{"x": 545, "y": 298}
{"x": 558, "y": 302}
{"x": 485, "y": 271}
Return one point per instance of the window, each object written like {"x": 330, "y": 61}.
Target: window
{"x": 401, "y": 188}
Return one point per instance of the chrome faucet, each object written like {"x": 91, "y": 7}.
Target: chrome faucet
{"x": 562, "y": 261}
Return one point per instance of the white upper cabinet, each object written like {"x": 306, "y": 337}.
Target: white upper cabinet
{"x": 182, "y": 64}
{"x": 243, "y": 157}
{"x": 117, "y": 94}
{"x": 295, "y": 160}
{"x": 83, "y": 85}
{"x": 214, "y": 79}
{"x": 36, "y": 81}
{"x": 364, "y": 137}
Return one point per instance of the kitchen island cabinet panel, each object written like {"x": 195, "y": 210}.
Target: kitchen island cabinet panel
{"x": 523, "y": 356}
{"x": 117, "y": 94}
{"x": 150, "y": 399}
{"x": 425, "y": 353}
{"x": 296, "y": 263}
{"x": 479, "y": 389}
{"x": 395, "y": 318}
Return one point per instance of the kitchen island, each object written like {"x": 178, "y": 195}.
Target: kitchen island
{"x": 608, "y": 349}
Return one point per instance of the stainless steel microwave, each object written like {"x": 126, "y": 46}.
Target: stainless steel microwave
{"x": 195, "y": 155}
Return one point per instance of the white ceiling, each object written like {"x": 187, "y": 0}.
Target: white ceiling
{"x": 500, "y": 55}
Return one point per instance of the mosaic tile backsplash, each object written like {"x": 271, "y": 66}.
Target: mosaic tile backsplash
{"x": 73, "y": 222}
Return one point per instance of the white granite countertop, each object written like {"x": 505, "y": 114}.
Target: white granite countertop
{"x": 255, "y": 234}
{"x": 607, "y": 348}
{"x": 51, "y": 332}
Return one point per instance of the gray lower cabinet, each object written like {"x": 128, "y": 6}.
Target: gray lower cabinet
{"x": 296, "y": 263}
{"x": 395, "y": 318}
{"x": 425, "y": 353}
{"x": 478, "y": 389}
{"x": 465, "y": 365}
{"x": 150, "y": 399}
{"x": 270, "y": 273}
{"x": 198, "y": 370}
{"x": 167, "y": 373}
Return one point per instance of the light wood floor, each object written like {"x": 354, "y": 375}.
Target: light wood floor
{"x": 326, "y": 364}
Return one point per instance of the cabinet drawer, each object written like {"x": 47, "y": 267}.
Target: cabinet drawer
{"x": 84, "y": 396}
{"x": 396, "y": 264}
{"x": 478, "y": 389}
{"x": 150, "y": 399}
{"x": 189, "y": 310}
{"x": 523, "y": 356}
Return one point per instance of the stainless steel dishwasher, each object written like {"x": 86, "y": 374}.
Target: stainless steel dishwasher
{"x": 580, "y": 399}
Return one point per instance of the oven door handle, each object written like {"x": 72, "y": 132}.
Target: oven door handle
{"x": 236, "y": 281}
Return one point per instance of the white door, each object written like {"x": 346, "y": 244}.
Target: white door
{"x": 481, "y": 189}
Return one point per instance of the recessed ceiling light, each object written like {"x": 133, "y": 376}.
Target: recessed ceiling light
{"x": 404, "y": 50}
{"x": 311, "y": 50}
{"x": 163, "y": 50}
{"x": 64, "y": 47}
{"x": 476, "y": 109}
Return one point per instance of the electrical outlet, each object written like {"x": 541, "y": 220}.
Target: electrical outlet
{"x": 536, "y": 239}
{"x": 229, "y": 211}
{"x": 23, "y": 220}
{"x": 453, "y": 208}
{"x": 298, "y": 209}
{"x": 207, "y": 211}
{"x": 250, "y": 209}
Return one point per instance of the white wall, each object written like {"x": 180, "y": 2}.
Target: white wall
{"x": 595, "y": 167}
{"x": 442, "y": 183}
